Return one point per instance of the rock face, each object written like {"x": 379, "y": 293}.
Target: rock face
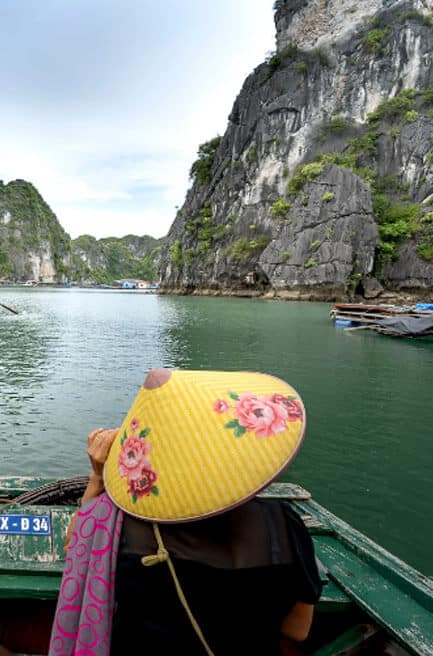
{"x": 370, "y": 287}
{"x": 105, "y": 260}
{"x": 33, "y": 244}
{"x": 311, "y": 23}
{"x": 325, "y": 227}
{"x": 325, "y": 173}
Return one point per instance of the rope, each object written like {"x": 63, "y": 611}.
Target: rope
{"x": 161, "y": 556}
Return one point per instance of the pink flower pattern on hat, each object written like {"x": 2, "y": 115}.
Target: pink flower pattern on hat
{"x": 132, "y": 457}
{"x": 263, "y": 415}
{"x": 134, "y": 463}
{"x": 143, "y": 484}
{"x": 134, "y": 425}
{"x": 221, "y": 406}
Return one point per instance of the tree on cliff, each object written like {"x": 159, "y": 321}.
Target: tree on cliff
{"x": 200, "y": 170}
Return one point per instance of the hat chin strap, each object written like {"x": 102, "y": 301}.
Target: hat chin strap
{"x": 161, "y": 556}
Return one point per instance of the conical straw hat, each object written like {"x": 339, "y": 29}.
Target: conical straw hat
{"x": 196, "y": 443}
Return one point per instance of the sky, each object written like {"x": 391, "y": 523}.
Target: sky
{"x": 105, "y": 102}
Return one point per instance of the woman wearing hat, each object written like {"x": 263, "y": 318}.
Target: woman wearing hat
{"x": 171, "y": 549}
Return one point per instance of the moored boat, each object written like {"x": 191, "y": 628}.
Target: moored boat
{"x": 357, "y": 314}
{"x": 396, "y": 321}
{"x": 372, "y": 602}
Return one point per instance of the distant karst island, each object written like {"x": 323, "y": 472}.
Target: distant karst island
{"x": 35, "y": 247}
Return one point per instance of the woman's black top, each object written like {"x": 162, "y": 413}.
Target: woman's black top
{"x": 241, "y": 573}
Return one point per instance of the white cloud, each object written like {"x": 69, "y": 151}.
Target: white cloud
{"x": 108, "y": 139}
{"x": 116, "y": 223}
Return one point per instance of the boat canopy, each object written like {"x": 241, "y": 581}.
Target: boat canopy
{"x": 407, "y": 326}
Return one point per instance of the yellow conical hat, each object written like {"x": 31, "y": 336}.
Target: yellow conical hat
{"x": 196, "y": 443}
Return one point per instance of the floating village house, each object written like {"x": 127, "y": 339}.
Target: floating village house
{"x": 133, "y": 284}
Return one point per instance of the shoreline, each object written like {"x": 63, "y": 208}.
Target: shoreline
{"x": 317, "y": 295}
{"x": 396, "y": 297}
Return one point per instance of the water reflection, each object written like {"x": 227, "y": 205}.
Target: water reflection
{"x": 368, "y": 402}
{"x": 24, "y": 353}
{"x": 73, "y": 360}
{"x": 217, "y": 333}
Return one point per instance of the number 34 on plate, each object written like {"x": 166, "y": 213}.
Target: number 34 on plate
{"x": 25, "y": 524}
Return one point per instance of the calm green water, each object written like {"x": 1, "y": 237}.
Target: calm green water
{"x": 72, "y": 360}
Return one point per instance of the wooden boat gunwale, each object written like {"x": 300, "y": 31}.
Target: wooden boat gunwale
{"x": 395, "y": 598}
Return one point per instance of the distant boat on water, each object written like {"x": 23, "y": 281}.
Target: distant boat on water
{"x": 396, "y": 321}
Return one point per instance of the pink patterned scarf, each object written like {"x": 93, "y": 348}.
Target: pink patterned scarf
{"x": 84, "y": 613}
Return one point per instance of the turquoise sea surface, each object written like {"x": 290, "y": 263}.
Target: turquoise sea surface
{"x": 72, "y": 360}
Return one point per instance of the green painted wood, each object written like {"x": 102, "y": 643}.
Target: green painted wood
{"x": 286, "y": 490}
{"x": 29, "y": 586}
{"x": 334, "y": 599}
{"x": 29, "y": 566}
{"x": 294, "y": 493}
{"x": 357, "y": 570}
{"x": 35, "y": 553}
{"x": 350, "y": 639}
{"x": 12, "y": 486}
{"x": 405, "y": 577}
{"x": 60, "y": 519}
{"x": 379, "y": 583}
{"x": 409, "y": 622}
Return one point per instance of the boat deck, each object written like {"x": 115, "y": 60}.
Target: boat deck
{"x": 352, "y": 314}
{"x": 358, "y": 574}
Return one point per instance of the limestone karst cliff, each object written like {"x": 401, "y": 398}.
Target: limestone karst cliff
{"x": 111, "y": 258}
{"x": 33, "y": 244}
{"x": 323, "y": 181}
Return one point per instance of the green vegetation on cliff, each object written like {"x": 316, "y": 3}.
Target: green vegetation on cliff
{"x": 307, "y": 162}
{"x": 29, "y": 229}
{"x": 244, "y": 249}
{"x": 397, "y": 217}
{"x": 201, "y": 169}
{"x": 105, "y": 260}
{"x": 33, "y": 245}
